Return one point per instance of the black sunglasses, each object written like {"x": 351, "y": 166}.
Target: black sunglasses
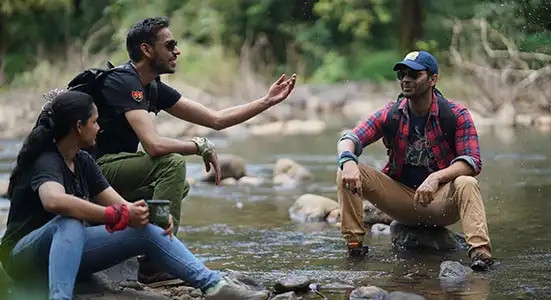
{"x": 171, "y": 45}
{"x": 409, "y": 72}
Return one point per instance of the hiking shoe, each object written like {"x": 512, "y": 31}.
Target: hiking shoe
{"x": 152, "y": 276}
{"x": 230, "y": 291}
{"x": 357, "y": 250}
{"x": 481, "y": 262}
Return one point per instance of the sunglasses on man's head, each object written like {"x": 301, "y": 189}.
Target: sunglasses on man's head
{"x": 409, "y": 72}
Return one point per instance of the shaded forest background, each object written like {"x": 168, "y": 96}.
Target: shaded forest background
{"x": 493, "y": 43}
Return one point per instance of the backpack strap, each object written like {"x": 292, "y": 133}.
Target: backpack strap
{"x": 153, "y": 97}
{"x": 446, "y": 117}
{"x": 391, "y": 124}
{"x": 448, "y": 120}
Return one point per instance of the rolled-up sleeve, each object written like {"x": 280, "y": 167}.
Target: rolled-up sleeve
{"x": 367, "y": 131}
{"x": 466, "y": 142}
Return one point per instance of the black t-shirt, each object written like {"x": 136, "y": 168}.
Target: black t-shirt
{"x": 26, "y": 211}
{"x": 419, "y": 160}
{"x": 123, "y": 91}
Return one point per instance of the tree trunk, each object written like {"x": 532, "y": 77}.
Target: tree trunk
{"x": 410, "y": 24}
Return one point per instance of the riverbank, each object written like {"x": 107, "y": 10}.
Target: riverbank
{"x": 310, "y": 109}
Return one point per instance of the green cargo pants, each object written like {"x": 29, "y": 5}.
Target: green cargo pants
{"x": 139, "y": 176}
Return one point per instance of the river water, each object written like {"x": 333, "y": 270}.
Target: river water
{"x": 249, "y": 229}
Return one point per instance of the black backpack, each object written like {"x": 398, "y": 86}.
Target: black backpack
{"x": 90, "y": 81}
{"x": 448, "y": 122}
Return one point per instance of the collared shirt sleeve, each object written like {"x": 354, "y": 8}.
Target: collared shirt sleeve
{"x": 466, "y": 142}
{"x": 370, "y": 130}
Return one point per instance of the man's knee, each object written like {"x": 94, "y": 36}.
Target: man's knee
{"x": 173, "y": 168}
{"x": 173, "y": 162}
{"x": 172, "y": 159}
{"x": 465, "y": 182}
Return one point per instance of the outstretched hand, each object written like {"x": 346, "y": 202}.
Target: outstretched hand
{"x": 281, "y": 89}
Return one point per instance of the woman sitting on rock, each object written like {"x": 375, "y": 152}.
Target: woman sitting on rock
{"x": 57, "y": 191}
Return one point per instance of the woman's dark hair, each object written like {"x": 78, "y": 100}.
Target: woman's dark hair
{"x": 56, "y": 120}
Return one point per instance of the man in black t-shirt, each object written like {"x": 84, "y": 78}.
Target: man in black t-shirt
{"x": 159, "y": 172}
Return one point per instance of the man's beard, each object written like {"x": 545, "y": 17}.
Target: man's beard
{"x": 160, "y": 68}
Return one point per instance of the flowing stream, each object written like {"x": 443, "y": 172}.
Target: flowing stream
{"x": 248, "y": 228}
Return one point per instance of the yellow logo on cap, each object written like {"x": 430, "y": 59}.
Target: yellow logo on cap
{"x": 412, "y": 55}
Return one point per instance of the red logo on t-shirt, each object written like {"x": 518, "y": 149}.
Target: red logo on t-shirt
{"x": 137, "y": 95}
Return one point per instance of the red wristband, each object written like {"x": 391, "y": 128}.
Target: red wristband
{"x": 123, "y": 219}
{"x": 112, "y": 216}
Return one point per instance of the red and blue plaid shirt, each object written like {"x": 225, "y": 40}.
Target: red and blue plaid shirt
{"x": 466, "y": 138}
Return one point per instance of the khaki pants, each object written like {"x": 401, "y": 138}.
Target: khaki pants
{"x": 457, "y": 200}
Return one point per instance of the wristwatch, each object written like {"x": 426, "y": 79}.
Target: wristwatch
{"x": 204, "y": 146}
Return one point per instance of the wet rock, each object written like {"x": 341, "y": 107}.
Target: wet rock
{"x": 180, "y": 293}
{"x": 333, "y": 216}
{"x": 117, "y": 282}
{"x": 374, "y": 215}
{"x": 288, "y": 172}
{"x": 405, "y": 296}
{"x": 267, "y": 128}
{"x": 289, "y": 127}
{"x": 356, "y": 109}
{"x": 421, "y": 238}
{"x": 250, "y": 180}
{"x": 380, "y": 229}
{"x": 121, "y": 273}
{"x": 312, "y": 208}
{"x": 285, "y": 296}
{"x": 454, "y": 270}
{"x": 369, "y": 293}
{"x": 191, "y": 180}
{"x": 244, "y": 281}
{"x": 293, "y": 283}
{"x": 524, "y": 120}
{"x": 231, "y": 166}
{"x": 293, "y": 127}
{"x": 543, "y": 121}
{"x": 3, "y": 188}
{"x": 99, "y": 287}
{"x": 228, "y": 181}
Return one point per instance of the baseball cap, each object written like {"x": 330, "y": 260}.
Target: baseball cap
{"x": 418, "y": 61}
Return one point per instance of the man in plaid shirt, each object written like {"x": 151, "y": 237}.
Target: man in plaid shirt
{"x": 429, "y": 179}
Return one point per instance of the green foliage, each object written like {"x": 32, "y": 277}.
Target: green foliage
{"x": 374, "y": 64}
{"x": 324, "y": 40}
{"x": 9, "y": 7}
{"x": 334, "y": 67}
{"x": 353, "y": 16}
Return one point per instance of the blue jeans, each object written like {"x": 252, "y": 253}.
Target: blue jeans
{"x": 66, "y": 248}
